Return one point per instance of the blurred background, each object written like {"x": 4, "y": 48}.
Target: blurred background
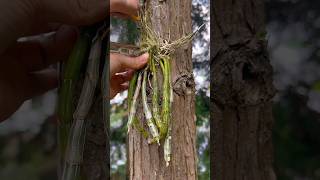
{"x": 28, "y": 138}
{"x": 294, "y": 46}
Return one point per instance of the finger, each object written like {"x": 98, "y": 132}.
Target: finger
{"x": 119, "y": 15}
{"x": 121, "y": 62}
{"x": 125, "y": 16}
{"x": 129, "y": 7}
{"x": 122, "y": 77}
{"x": 41, "y": 82}
{"x": 38, "y": 53}
{"x": 20, "y": 17}
{"x": 121, "y": 87}
{"x": 127, "y": 72}
{"x": 76, "y": 12}
{"x": 44, "y": 28}
{"x": 40, "y": 30}
{"x": 117, "y": 89}
{"x": 124, "y": 86}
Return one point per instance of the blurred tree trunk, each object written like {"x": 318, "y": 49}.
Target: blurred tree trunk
{"x": 241, "y": 93}
{"x": 96, "y": 154}
{"x": 146, "y": 162}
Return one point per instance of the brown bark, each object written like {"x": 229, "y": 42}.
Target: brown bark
{"x": 96, "y": 154}
{"x": 146, "y": 162}
{"x": 241, "y": 93}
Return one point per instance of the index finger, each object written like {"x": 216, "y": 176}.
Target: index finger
{"x": 125, "y": 16}
{"x": 119, "y": 62}
{"x": 128, "y": 7}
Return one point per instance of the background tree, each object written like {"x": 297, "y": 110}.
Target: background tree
{"x": 241, "y": 93}
{"x": 146, "y": 161}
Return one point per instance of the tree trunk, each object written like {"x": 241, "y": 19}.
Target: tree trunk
{"x": 146, "y": 162}
{"x": 96, "y": 154}
{"x": 241, "y": 93}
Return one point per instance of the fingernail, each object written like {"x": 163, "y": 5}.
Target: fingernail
{"x": 144, "y": 57}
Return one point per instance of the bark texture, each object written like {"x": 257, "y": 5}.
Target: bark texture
{"x": 241, "y": 93}
{"x": 146, "y": 162}
{"x": 96, "y": 163}
{"x": 96, "y": 155}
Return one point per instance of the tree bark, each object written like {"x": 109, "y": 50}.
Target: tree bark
{"x": 146, "y": 162}
{"x": 241, "y": 93}
{"x": 96, "y": 155}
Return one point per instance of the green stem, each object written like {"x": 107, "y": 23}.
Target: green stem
{"x": 140, "y": 128}
{"x": 132, "y": 86}
{"x": 165, "y": 113}
{"x": 167, "y": 142}
{"x": 105, "y": 93}
{"x": 70, "y": 77}
{"x": 155, "y": 94}
{"x": 76, "y": 141}
{"x": 133, "y": 107}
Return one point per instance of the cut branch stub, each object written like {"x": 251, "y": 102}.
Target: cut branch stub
{"x": 184, "y": 84}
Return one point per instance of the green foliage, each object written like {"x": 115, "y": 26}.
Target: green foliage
{"x": 262, "y": 35}
{"x": 316, "y": 86}
{"x": 296, "y": 140}
{"x": 203, "y": 134}
{"x": 202, "y": 108}
{"x": 126, "y": 29}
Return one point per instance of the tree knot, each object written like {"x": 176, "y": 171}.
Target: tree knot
{"x": 243, "y": 75}
{"x": 184, "y": 85}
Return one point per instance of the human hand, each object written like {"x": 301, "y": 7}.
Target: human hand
{"x": 122, "y": 69}
{"x": 125, "y": 7}
{"x": 24, "y": 65}
{"x": 24, "y": 71}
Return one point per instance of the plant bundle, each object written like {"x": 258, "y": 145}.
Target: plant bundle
{"x": 157, "y": 73}
{"x": 73, "y": 119}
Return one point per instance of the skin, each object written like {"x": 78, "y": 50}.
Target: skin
{"x": 24, "y": 64}
{"x": 120, "y": 80}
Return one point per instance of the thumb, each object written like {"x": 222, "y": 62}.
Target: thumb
{"x": 128, "y": 7}
{"x": 75, "y": 12}
{"x": 120, "y": 63}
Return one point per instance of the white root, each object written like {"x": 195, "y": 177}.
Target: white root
{"x": 147, "y": 112}
{"x": 167, "y": 148}
{"x": 133, "y": 107}
{"x": 167, "y": 142}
